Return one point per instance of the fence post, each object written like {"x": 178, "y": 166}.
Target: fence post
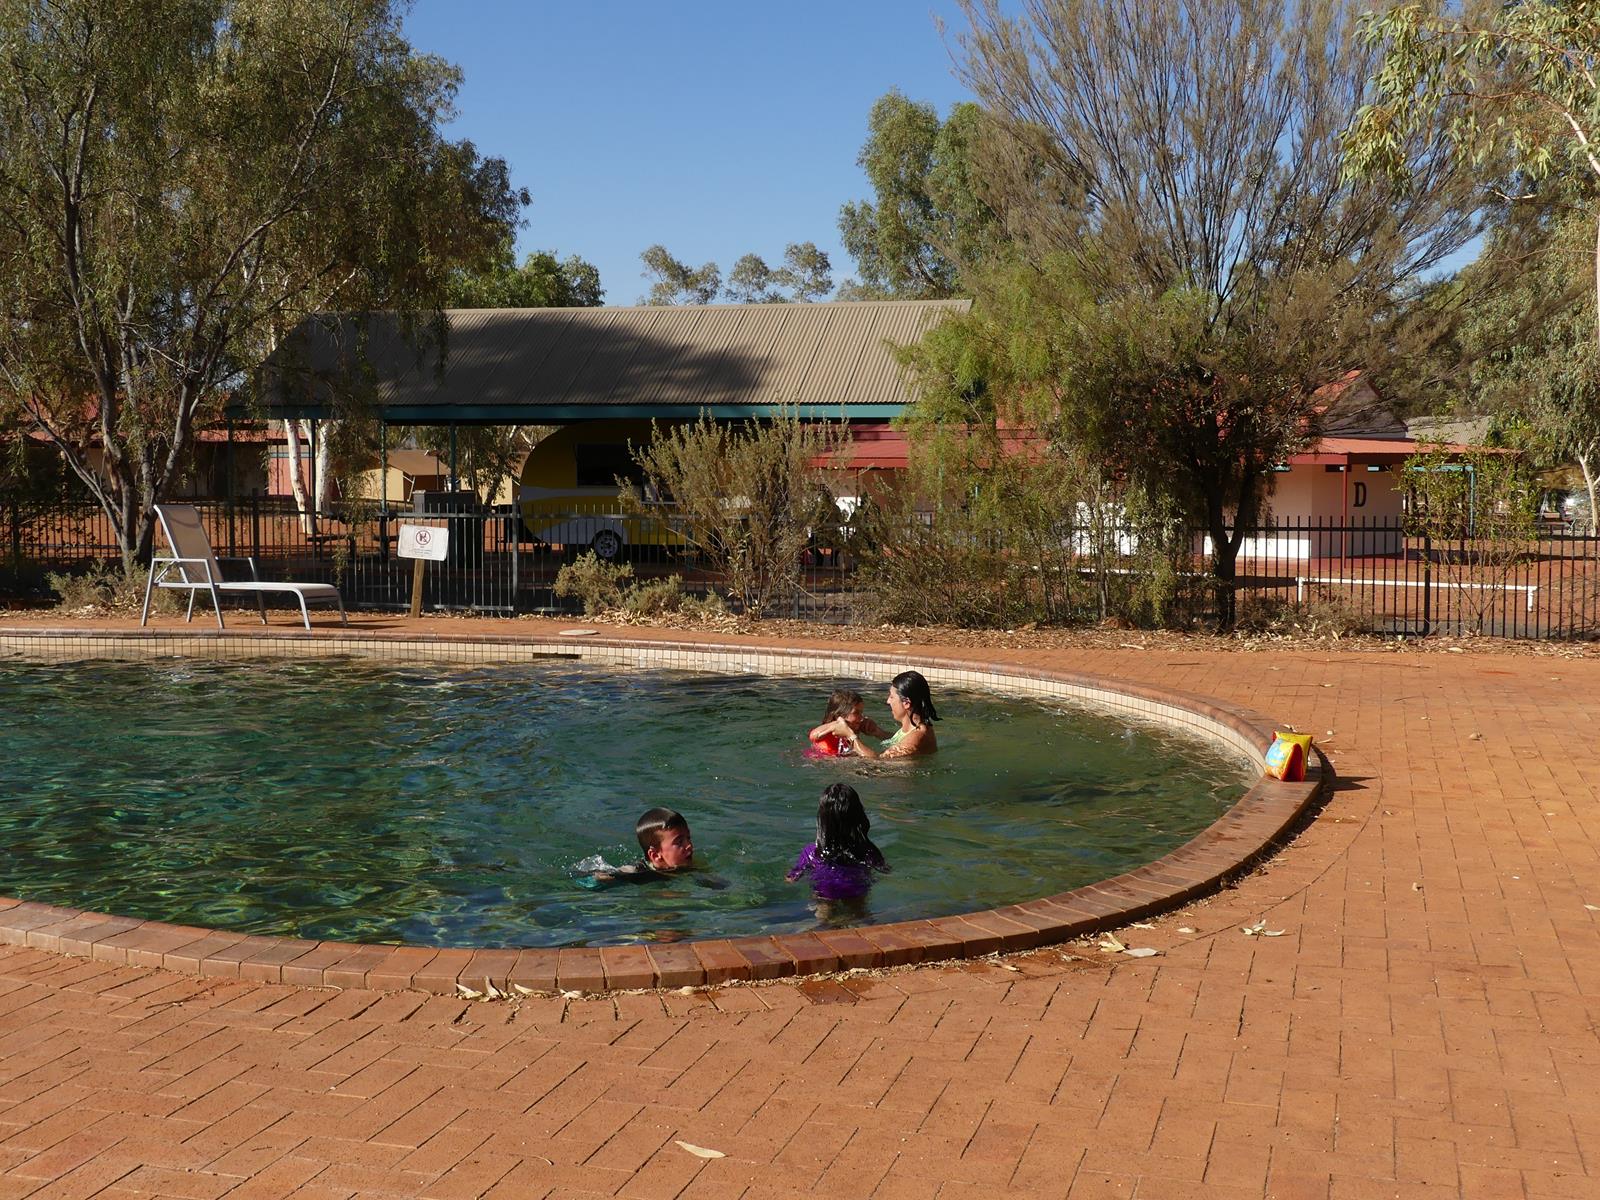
{"x": 514, "y": 534}
{"x": 255, "y": 526}
{"x": 1427, "y": 584}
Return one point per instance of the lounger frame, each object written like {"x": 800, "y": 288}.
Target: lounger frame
{"x": 198, "y": 572}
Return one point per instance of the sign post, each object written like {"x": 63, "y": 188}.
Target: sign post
{"x": 421, "y": 542}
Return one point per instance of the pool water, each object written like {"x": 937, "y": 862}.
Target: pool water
{"x": 455, "y": 806}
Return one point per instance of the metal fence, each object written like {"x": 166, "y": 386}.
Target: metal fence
{"x": 494, "y": 562}
{"x": 1372, "y": 575}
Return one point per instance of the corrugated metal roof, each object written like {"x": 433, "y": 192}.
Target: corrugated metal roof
{"x": 531, "y": 364}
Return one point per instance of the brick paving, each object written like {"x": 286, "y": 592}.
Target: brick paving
{"x": 1425, "y": 1026}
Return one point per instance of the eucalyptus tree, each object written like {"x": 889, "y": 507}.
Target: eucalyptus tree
{"x": 541, "y": 280}
{"x": 1508, "y": 84}
{"x": 1515, "y": 86}
{"x": 1189, "y": 260}
{"x": 926, "y": 218}
{"x": 182, "y": 182}
{"x": 673, "y": 281}
{"x": 1528, "y": 342}
{"x": 806, "y": 275}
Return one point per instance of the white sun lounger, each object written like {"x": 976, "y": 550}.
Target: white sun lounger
{"x": 191, "y": 566}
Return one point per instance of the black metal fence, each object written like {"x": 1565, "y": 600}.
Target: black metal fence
{"x": 1372, "y": 576}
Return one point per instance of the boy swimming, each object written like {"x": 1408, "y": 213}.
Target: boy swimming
{"x": 667, "y": 844}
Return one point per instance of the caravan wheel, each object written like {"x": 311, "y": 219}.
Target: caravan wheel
{"x": 607, "y": 545}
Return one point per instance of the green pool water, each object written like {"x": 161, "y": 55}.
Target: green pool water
{"x": 454, "y": 806}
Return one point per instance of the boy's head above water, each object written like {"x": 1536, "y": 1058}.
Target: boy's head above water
{"x": 664, "y": 838}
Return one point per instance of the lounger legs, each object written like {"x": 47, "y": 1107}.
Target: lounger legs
{"x": 149, "y": 582}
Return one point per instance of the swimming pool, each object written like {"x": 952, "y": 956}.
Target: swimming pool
{"x": 452, "y": 806}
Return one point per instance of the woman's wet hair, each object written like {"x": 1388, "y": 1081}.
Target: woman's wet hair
{"x": 842, "y": 827}
{"x": 913, "y": 689}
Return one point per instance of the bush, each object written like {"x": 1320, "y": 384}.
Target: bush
{"x": 747, "y": 498}
{"x": 1324, "y": 615}
{"x": 985, "y": 536}
{"x": 106, "y": 588}
{"x": 606, "y": 588}
{"x": 655, "y": 598}
{"x": 600, "y": 585}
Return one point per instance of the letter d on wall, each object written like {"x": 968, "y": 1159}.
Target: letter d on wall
{"x": 1361, "y": 495}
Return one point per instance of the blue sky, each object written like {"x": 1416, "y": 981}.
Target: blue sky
{"x": 712, "y": 127}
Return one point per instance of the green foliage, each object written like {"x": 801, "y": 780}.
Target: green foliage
{"x": 1530, "y": 341}
{"x": 1479, "y": 511}
{"x": 600, "y": 585}
{"x": 806, "y": 275}
{"x": 607, "y": 588}
{"x": 1187, "y": 262}
{"x": 993, "y": 532}
{"x": 926, "y": 217}
{"x": 675, "y": 282}
{"x": 1510, "y": 89}
{"x": 1481, "y": 494}
{"x": 1169, "y": 401}
{"x": 1502, "y": 84}
{"x": 748, "y": 498}
{"x": 105, "y": 589}
{"x": 540, "y": 282}
{"x": 184, "y": 181}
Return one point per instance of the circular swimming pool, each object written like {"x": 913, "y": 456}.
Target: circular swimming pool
{"x": 452, "y": 806}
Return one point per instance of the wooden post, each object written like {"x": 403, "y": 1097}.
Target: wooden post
{"x": 416, "y": 588}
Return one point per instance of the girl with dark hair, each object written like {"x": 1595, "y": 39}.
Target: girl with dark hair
{"x": 911, "y": 705}
{"x": 846, "y": 704}
{"x": 842, "y": 860}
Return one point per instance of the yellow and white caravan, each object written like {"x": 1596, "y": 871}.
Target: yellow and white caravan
{"x": 569, "y": 493}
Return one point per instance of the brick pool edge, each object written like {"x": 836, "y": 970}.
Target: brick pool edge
{"x": 1235, "y": 841}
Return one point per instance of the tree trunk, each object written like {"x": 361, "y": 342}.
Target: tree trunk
{"x": 1224, "y": 564}
{"x": 324, "y": 461}
{"x": 1587, "y": 464}
{"x": 297, "y": 481}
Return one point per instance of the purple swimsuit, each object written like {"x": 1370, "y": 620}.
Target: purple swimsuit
{"x": 835, "y": 881}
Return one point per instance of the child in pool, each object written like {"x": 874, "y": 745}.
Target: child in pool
{"x": 664, "y": 837}
{"x": 847, "y": 706}
{"x": 842, "y": 860}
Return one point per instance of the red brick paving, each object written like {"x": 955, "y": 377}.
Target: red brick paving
{"x": 1424, "y": 1027}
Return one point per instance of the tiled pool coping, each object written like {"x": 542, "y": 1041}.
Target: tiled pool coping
{"x": 1240, "y": 837}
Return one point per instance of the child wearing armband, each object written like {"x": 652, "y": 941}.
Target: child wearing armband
{"x": 847, "y": 706}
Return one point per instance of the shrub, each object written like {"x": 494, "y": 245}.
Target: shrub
{"x": 106, "y": 588}
{"x": 985, "y": 536}
{"x": 600, "y": 585}
{"x": 655, "y": 598}
{"x": 606, "y": 588}
{"x": 1324, "y": 615}
{"x": 748, "y": 498}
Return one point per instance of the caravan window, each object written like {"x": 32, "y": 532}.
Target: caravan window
{"x": 603, "y": 465}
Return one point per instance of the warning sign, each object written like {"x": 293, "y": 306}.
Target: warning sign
{"x": 423, "y": 541}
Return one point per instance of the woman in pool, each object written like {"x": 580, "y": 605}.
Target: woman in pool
{"x": 911, "y": 705}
